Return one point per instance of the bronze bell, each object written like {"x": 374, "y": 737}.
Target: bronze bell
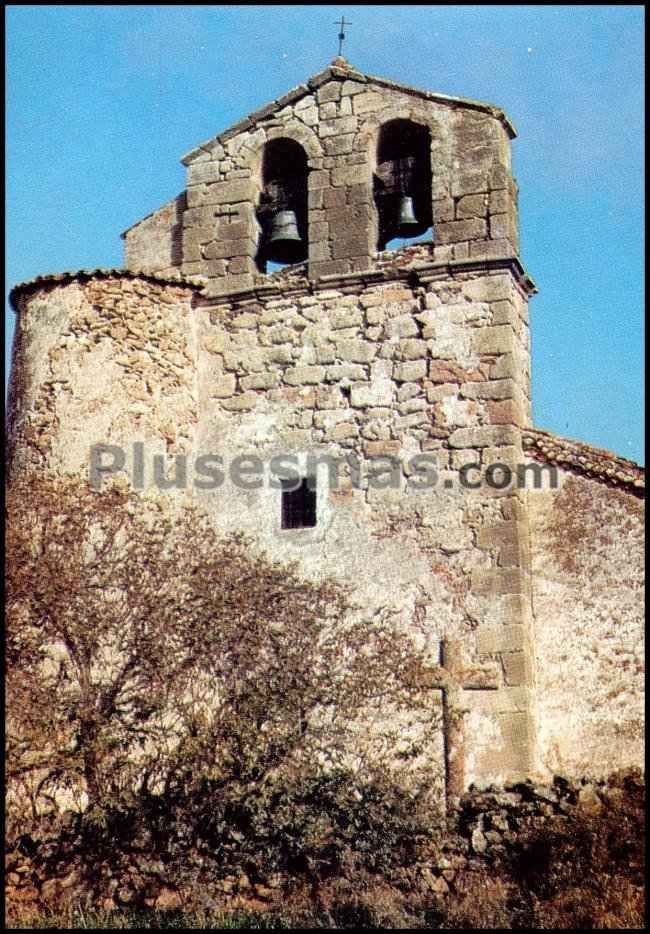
{"x": 407, "y": 224}
{"x": 284, "y": 244}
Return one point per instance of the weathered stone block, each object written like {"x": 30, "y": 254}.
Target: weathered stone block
{"x": 329, "y": 92}
{"x": 240, "y": 403}
{"x": 226, "y": 248}
{"x": 500, "y": 201}
{"x": 377, "y": 392}
{"x": 367, "y": 102}
{"x": 229, "y": 192}
{"x": 224, "y": 387}
{"x": 516, "y": 668}
{"x": 446, "y": 372}
{"x": 333, "y": 198}
{"x": 452, "y": 231}
{"x": 304, "y": 375}
{"x": 495, "y": 581}
{"x": 337, "y": 126}
{"x": 342, "y": 432}
{"x": 412, "y": 349}
{"x": 472, "y": 206}
{"x": 359, "y": 194}
{"x": 345, "y": 371}
{"x": 408, "y": 372}
{"x": 489, "y": 389}
{"x": 260, "y": 381}
{"x": 309, "y": 115}
{"x": 489, "y": 249}
{"x": 502, "y": 227}
{"x": 330, "y": 417}
{"x": 468, "y": 183}
{"x": 279, "y": 354}
{"x": 317, "y": 180}
{"x": 402, "y": 326}
{"x": 239, "y": 264}
{"x": 350, "y": 246}
{"x": 202, "y": 172}
{"x": 214, "y": 267}
{"x": 497, "y": 340}
{"x": 356, "y": 351}
{"x": 232, "y": 230}
{"x": 346, "y": 175}
{"x": 329, "y": 268}
{"x": 486, "y": 436}
{"x": 506, "y": 412}
{"x": 505, "y": 367}
{"x": 352, "y": 86}
{"x": 404, "y": 422}
{"x": 338, "y": 145}
{"x": 443, "y": 210}
{"x": 346, "y": 318}
{"x": 327, "y": 111}
{"x": 382, "y": 448}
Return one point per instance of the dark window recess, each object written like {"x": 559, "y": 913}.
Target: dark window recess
{"x": 299, "y": 505}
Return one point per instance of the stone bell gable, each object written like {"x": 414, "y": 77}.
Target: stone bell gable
{"x": 341, "y": 123}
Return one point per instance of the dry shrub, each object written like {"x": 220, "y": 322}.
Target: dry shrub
{"x": 185, "y": 694}
{"x": 481, "y": 900}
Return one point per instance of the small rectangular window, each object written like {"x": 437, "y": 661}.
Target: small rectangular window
{"x": 299, "y": 505}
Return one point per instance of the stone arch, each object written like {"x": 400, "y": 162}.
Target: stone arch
{"x": 367, "y": 138}
{"x": 250, "y": 156}
{"x": 283, "y": 193}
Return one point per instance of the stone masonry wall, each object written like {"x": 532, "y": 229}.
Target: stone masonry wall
{"x": 388, "y": 366}
{"x": 107, "y": 358}
{"x": 154, "y": 244}
{"x": 392, "y": 368}
{"x": 587, "y": 564}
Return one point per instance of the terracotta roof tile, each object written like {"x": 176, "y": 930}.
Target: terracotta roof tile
{"x": 582, "y": 458}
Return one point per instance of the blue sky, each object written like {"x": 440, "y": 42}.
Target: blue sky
{"x": 102, "y": 101}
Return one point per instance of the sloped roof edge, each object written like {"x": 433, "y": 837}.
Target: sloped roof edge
{"x": 580, "y": 457}
{"x": 61, "y": 278}
{"x": 342, "y": 70}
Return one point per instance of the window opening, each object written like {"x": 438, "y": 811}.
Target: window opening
{"x": 299, "y": 504}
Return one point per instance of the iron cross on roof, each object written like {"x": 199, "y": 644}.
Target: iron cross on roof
{"x": 342, "y": 24}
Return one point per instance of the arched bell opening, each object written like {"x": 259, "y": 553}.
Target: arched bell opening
{"x": 282, "y": 208}
{"x": 402, "y": 184}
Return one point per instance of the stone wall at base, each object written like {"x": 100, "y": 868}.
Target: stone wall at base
{"x": 489, "y": 830}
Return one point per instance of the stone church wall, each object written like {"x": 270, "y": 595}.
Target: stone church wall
{"x": 399, "y": 368}
{"x": 392, "y": 369}
{"x": 100, "y": 359}
{"x": 154, "y": 244}
{"x": 357, "y": 355}
{"x": 588, "y": 567}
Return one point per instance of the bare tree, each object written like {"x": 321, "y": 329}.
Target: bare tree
{"x": 144, "y": 652}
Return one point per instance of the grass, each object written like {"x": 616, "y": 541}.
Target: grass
{"x": 88, "y": 920}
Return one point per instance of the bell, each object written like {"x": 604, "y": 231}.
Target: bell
{"x": 407, "y": 224}
{"x": 284, "y": 244}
